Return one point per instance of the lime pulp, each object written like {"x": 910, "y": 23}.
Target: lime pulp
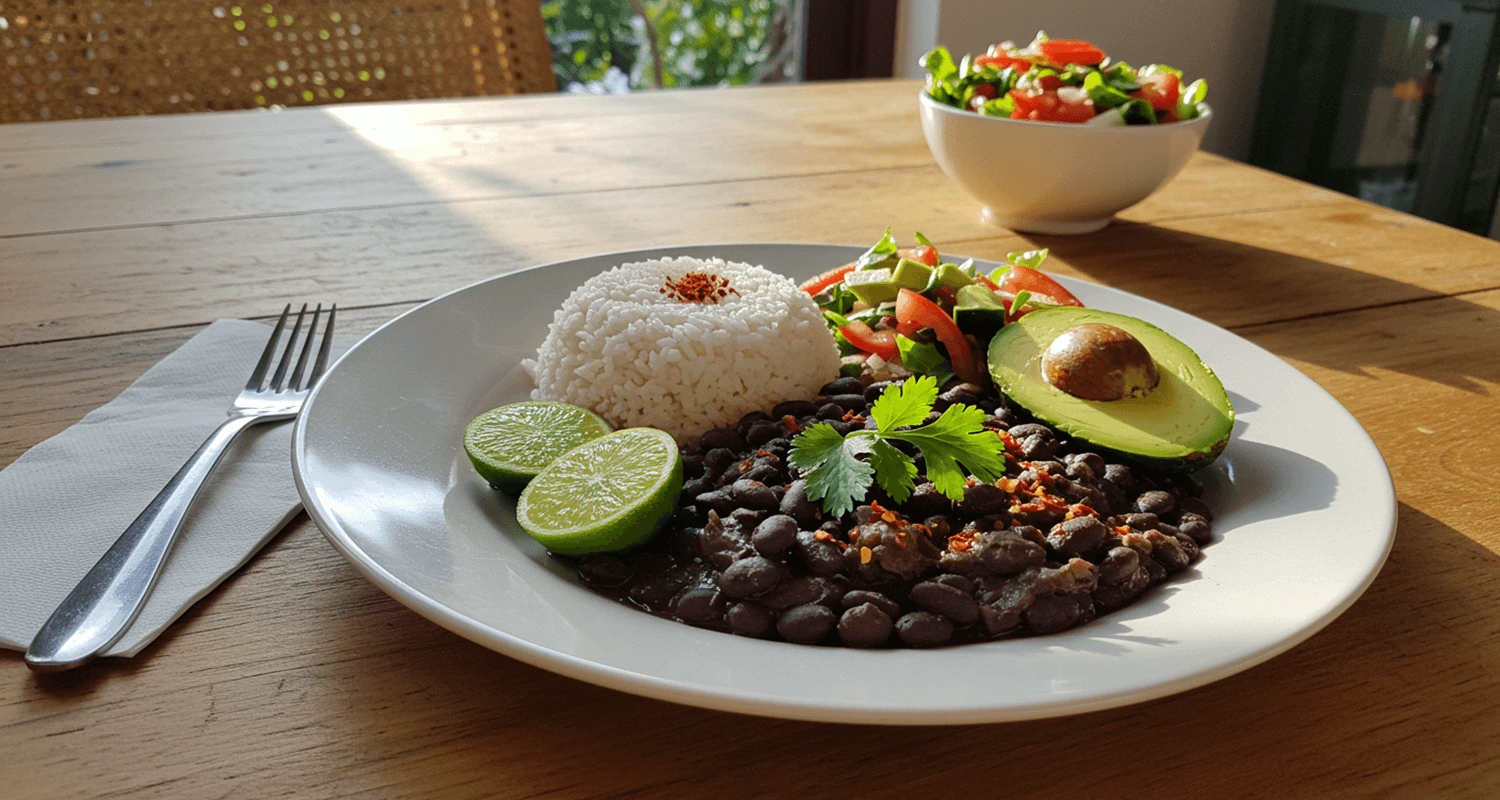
{"x": 512, "y": 444}
{"x": 609, "y": 494}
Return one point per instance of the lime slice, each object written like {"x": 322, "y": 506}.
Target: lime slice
{"x": 509, "y": 445}
{"x": 609, "y": 494}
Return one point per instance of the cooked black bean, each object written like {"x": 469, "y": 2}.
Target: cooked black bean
{"x": 762, "y": 432}
{"x": 747, "y": 518}
{"x": 845, "y": 385}
{"x": 1193, "y": 505}
{"x": 775, "y": 534}
{"x": 1197, "y": 527}
{"x": 749, "y": 577}
{"x": 983, "y": 498}
{"x": 753, "y": 417}
{"x": 753, "y": 494}
{"x": 719, "y": 500}
{"x": 692, "y": 465}
{"x": 958, "y": 582}
{"x": 1053, "y": 612}
{"x": 819, "y": 557}
{"x": 796, "y": 505}
{"x": 876, "y": 389}
{"x": 1077, "y": 536}
{"x": 849, "y": 402}
{"x": 795, "y": 408}
{"x": 603, "y": 569}
{"x": 688, "y": 515}
{"x": 715, "y": 460}
{"x": 1189, "y": 547}
{"x": 1142, "y": 522}
{"x": 940, "y": 598}
{"x": 721, "y": 438}
{"x": 1118, "y": 565}
{"x": 749, "y": 619}
{"x": 966, "y": 393}
{"x": 1167, "y": 551}
{"x": 865, "y": 625}
{"x": 880, "y": 601}
{"x": 831, "y": 411}
{"x": 765, "y": 473}
{"x": 695, "y": 487}
{"x": 701, "y": 606}
{"x": 924, "y": 629}
{"x": 1037, "y": 441}
{"x": 803, "y": 590}
{"x": 655, "y": 591}
{"x": 807, "y": 624}
{"x": 1155, "y": 502}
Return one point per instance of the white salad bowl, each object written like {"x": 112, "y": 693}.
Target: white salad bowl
{"x": 1047, "y": 177}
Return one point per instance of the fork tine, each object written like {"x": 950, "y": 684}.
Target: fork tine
{"x": 295, "y": 384}
{"x": 259, "y": 375}
{"x": 322, "y": 362}
{"x": 286, "y": 355}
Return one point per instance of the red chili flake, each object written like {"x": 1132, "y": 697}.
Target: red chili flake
{"x": 698, "y": 287}
{"x": 960, "y": 542}
{"x": 764, "y": 453}
{"x": 791, "y": 424}
{"x": 850, "y": 416}
{"x": 822, "y": 536}
{"x": 887, "y": 517}
{"x": 865, "y": 554}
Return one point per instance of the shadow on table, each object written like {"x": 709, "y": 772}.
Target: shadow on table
{"x": 1241, "y": 285}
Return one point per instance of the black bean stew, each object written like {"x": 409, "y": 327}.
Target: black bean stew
{"x": 1064, "y": 537}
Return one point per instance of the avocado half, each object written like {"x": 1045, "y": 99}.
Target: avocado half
{"x": 1182, "y": 425}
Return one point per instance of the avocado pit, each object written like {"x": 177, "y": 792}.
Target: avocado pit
{"x": 1097, "y": 361}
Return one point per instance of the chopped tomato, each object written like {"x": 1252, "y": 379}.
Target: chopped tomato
{"x": 817, "y": 285}
{"x": 915, "y": 312}
{"x": 880, "y": 343}
{"x": 923, "y": 253}
{"x": 1002, "y": 61}
{"x": 1160, "y": 89}
{"x": 1071, "y": 51}
{"x": 1042, "y": 287}
{"x": 1052, "y": 106}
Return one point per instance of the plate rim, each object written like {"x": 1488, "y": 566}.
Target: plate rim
{"x": 734, "y": 701}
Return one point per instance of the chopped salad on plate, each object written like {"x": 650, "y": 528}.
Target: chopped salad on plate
{"x": 1062, "y": 80}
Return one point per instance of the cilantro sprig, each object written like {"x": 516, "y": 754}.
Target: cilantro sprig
{"x": 952, "y": 444}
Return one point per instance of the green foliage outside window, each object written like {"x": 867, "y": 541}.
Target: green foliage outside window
{"x": 667, "y": 43}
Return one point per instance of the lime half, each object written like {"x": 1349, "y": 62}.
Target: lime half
{"x": 511, "y": 444}
{"x": 609, "y": 494}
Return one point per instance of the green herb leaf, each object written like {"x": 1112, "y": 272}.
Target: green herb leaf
{"x": 923, "y": 359}
{"x": 1027, "y": 258}
{"x": 957, "y": 441}
{"x": 1019, "y": 303}
{"x": 851, "y": 370}
{"x": 907, "y": 403}
{"x": 835, "y": 319}
{"x": 924, "y": 240}
{"x": 1103, "y": 94}
{"x": 883, "y": 249}
{"x": 828, "y": 462}
{"x": 1138, "y": 112}
{"x": 1001, "y": 106}
{"x": 939, "y": 63}
{"x": 895, "y": 470}
{"x": 1154, "y": 68}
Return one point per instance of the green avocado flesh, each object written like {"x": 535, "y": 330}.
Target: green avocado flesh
{"x": 1181, "y": 425}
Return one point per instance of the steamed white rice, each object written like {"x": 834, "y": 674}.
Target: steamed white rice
{"x": 639, "y": 357}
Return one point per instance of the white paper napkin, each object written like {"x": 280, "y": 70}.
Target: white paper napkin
{"x": 65, "y": 501}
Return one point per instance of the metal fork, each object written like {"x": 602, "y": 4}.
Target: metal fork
{"x": 111, "y": 595}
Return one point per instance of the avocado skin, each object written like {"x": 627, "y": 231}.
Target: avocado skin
{"x": 1146, "y": 430}
{"x": 978, "y": 312}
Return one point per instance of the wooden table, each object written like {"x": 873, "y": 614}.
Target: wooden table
{"x": 120, "y": 239}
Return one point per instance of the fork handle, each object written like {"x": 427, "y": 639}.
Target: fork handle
{"x": 111, "y": 595}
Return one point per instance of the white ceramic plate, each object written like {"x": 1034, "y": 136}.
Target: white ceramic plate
{"x": 1306, "y": 515}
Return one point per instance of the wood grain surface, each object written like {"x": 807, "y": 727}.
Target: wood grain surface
{"x": 120, "y": 239}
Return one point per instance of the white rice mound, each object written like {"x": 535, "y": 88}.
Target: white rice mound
{"x": 639, "y": 357}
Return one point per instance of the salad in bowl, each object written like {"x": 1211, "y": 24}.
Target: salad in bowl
{"x": 1062, "y": 80}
